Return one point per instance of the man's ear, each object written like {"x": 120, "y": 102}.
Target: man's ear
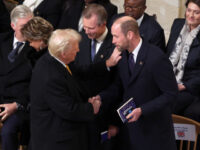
{"x": 12, "y": 25}
{"x": 130, "y": 35}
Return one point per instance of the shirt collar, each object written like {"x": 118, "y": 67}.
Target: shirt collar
{"x": 59, "y": 61}
{"x": 139, "y": 21}
{"x": 103, "y": 36}
{"x": 136, "y": 50}
{"x": 15, "y": 42}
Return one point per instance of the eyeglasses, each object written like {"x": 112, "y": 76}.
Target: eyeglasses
{"x": 131, "y": 8}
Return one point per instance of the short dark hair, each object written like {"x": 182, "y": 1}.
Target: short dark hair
{"x": 97, "y": 10}
{"x": 197, "y": 2}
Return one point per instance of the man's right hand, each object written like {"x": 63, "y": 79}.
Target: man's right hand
{"x": 96, "y": 103}
{"x": 114, "y": 58}
{"x": 9, "y": 109}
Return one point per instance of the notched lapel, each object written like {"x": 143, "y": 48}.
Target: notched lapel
{"x": 196, "y": 41}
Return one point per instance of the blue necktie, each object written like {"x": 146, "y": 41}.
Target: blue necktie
{"x": 93, "y": 49}
{"x": 13, "y": 54}
{"x": 131, "y": 63}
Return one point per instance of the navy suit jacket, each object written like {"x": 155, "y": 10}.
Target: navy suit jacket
{"x": 83, "y": 58}
{"x": 191, "y": 77}
{"x": 58, "y": 111}
{"x": 150, "y": 30}
{"x": 14, "y": 77}
{"x": 153, "y": 88}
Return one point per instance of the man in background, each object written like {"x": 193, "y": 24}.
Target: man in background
{"x": 15, "y": 74}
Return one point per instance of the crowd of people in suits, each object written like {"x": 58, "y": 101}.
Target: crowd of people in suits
{"x": 67, "y": 65}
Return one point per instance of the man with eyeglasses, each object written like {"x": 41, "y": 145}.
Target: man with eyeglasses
{"x": 150, "y": 29}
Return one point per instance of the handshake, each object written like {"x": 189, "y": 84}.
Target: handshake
{"x": 96, "y": 103}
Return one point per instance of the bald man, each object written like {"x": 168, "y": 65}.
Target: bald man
{"x": 146, "y": 75}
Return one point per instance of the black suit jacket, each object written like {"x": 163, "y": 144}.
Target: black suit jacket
{"x": 4, "y": 18}
{"x": 150, "y": 30}
{"x": 14, "y": 77}
{"x": 49, "y": 10}
{"x": 58, "y": 110}
{"x": 72, "y": 12}
{"x": 153, "y": 88}
{"x": 96, "y": 83}
{"x": 191, "y": 77}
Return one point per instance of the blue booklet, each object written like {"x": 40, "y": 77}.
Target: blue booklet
{"x": 125, "y": 109}
{"x": 104, "y": 136}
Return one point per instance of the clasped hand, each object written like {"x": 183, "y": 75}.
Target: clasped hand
{"x": 96, "y": 103}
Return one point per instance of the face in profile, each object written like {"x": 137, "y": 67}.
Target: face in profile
{"x": 18, "y": 25}
{"x": 134, "y": 8}
{"x": 119, "y": 39}
{"x": 192, "y": 15}
{"x": 91, "y": 27}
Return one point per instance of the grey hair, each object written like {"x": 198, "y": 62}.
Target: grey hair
{"x": 20, "y": 11}
{"x": 61, "y": 40}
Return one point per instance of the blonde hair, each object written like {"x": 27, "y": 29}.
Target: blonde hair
{"x": 61, "y": 40}
{"x": 20, "y": 11}
{"x": 37, "y": 29}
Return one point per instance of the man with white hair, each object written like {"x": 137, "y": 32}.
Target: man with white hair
{"x": 59, "y": 111}
{"x": 15, "y": 74}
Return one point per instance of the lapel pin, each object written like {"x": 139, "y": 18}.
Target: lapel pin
{"x": 101, "y": 56}
{"x": 141, "y": 63}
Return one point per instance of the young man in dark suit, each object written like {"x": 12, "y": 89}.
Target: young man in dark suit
{"x": 15, "y": 74}
{"x": 59, "y": 108}
{"x": 149, "y": 28}
{"x": 146, "y": 75}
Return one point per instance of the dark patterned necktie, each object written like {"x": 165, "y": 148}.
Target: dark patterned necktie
{"x": 131, "y": 63}
{"x": 13, "y": 54}
{"x": 93, "y": 49}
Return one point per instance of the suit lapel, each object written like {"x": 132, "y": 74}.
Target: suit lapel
{"x": 196, "y": 41}
{"x": 104, "y": 49}
{"x": 124, "y": 68}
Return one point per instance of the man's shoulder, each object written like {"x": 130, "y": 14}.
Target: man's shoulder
{"x": 150, "y": 21}
{"x": 153, "y": 52}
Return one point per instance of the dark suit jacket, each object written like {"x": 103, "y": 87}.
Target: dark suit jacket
{"x": 96, "y": 83}
{"x": 150, "y": 30}
{"x": 49, "y": 10}
{"x": 14, "y": 77}
{"x": 83, "y": 58}
{"x": 71, "y": 15}
{"x": 58, "y": 113}
{"x": 153, "y": 88}
{"x": 4, "y": 18}
{"x": 191, "y": 77}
